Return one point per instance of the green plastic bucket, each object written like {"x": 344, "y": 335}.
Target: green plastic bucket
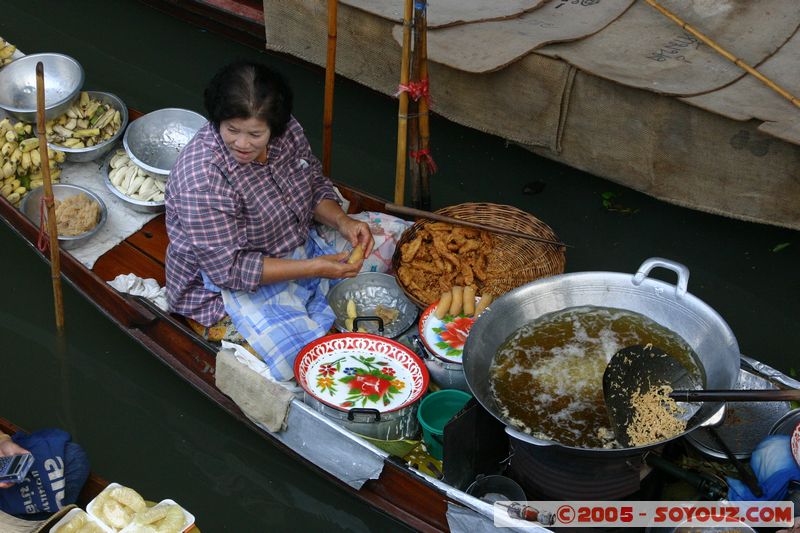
{"x": 435, "y": 411}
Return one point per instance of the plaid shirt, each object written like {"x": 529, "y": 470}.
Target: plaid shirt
{"x": 224, "y": 217}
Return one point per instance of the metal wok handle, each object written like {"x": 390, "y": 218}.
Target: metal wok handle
{"x": 649, "y": 264}
{"x": 527, "y": 438}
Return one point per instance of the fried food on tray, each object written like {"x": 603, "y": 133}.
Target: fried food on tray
{"x": 442, "y": 256}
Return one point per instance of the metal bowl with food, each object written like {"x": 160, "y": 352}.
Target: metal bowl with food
{"x": 371, "y": 294}
{"x": 30, "y": 207}
{"x": 136, "y": 187}
{"x": 669, "y": 306}
{"x": 63, "y": 79}
{"x": 153, "y": 141}
{"x": 104, "y": 133}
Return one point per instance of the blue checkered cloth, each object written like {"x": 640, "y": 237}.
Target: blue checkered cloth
{"x": 279, "y": 319}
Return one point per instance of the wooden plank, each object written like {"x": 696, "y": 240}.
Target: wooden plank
{"x": 127, "y": 259}
{"x": 152, "y": 239}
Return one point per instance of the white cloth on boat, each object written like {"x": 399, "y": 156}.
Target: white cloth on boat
{"x": 148, "y": 288}
{"x": 122, "y": 221}
{"x": 247, "y": 380}
{"x": 278, "y": 319}
{"x": 386, "y": 231}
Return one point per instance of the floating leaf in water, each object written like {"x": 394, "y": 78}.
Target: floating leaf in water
{"x": 610, "y": 204}
{"x": 781, "y": 246}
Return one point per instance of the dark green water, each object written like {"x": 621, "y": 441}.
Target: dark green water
{"x": 145, "y": 427}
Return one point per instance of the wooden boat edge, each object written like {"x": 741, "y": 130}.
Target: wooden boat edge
{"x": 196, "y": 367}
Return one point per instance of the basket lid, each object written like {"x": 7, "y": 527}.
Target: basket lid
{"x": 349, "y": 370}
{"x": 444, "y": 338}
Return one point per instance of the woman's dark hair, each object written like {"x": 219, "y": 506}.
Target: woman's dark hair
{"x": 249, "y": 90}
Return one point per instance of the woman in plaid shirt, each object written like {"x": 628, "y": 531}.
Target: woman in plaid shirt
{"x": 244, "y": 262}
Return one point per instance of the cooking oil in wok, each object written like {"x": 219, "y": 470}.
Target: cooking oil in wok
{"x": 547, "y": 377}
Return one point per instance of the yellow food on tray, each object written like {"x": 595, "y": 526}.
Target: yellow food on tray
{"x": 80, "y": 523}
{"x": 166, "y": 518}
{"x": 117, "y": 506}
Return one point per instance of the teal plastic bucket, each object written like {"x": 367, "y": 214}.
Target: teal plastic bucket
{"x": 435, "y": 411}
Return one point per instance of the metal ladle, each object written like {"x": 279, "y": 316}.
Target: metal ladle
{"x": 638, "y": 368}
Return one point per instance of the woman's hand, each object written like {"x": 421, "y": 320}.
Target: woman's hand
{"x": 334, "y": 266}
{"x": 7, "y": 448}
{"x": 356, "y": 232}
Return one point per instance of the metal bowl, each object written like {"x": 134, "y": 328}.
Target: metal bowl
{"x": 136, "y": 205}
{"x": 153, "y": 141}
{"x": 30, "y": 208}
{"x": 90, "y": 153}
{"x": 63, "y": 79}
{"x": 367, "y": 290}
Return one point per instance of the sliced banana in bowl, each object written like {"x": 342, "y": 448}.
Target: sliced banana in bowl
{"x": 139, "y": 189}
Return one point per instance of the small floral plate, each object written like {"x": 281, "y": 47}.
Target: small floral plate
{"x": 445, "y": 337}
{"x": 795, "y": 443}
{"x": 349, "y": 370}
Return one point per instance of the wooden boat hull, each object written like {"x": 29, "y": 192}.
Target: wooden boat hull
{"x": 397, "y": 492}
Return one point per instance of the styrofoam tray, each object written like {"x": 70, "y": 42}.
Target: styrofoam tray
{"x": 188, "y": 518}
{"x": 67, "y": 518}
{"x": 92, "y": 507}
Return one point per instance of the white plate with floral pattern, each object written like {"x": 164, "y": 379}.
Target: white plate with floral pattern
{"x": 359, "y": 370}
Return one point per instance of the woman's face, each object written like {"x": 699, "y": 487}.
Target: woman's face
{"x": 246, "y": 138}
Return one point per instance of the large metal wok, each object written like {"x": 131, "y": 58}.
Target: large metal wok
{"x": 669, "y": 305}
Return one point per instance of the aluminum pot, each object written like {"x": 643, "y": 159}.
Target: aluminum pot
{"x": 446, "y": 374}
{"x": 368, "y": 384}
{"x": 669, "y": 305}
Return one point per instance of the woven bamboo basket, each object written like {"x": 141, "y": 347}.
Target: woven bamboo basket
{"x": 519, "y": 260}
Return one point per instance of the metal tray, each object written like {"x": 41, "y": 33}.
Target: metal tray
{"x": 745, "y": 423}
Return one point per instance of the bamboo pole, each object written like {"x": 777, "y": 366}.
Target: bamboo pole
{"x": 55, "y": 258}
{"x": 330, "y": 76}
{"x": 423, "y": 107}
{"x": 402, "y": 114}
{"x": 415, "y": 163}
{"x": 724, "y": 53}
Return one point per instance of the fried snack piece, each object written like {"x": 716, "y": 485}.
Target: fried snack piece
{"x": 387, "y": 314}
{"x": 469, "y": 300}
{"x": 483, "y": 303}
{"x": 356, "y": 255}
{"x": 458, "y": 301}
{"x": 444, "y": 304}
{"x": 409, "y": 250}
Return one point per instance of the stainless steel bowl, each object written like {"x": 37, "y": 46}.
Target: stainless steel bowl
{"x": 90, "y": 153}
{"x": 136, "y": 205}
{"x": 153, "y": 141}
{"x": 367, "y": 290}
{"x": 30, "y": 208}
{"x": 63, "y": 79}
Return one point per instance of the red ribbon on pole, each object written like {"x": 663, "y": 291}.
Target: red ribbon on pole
{"x": 416, "y": 90}
{"x": 43, "y": 241}
{"x": 424, "y": 155}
